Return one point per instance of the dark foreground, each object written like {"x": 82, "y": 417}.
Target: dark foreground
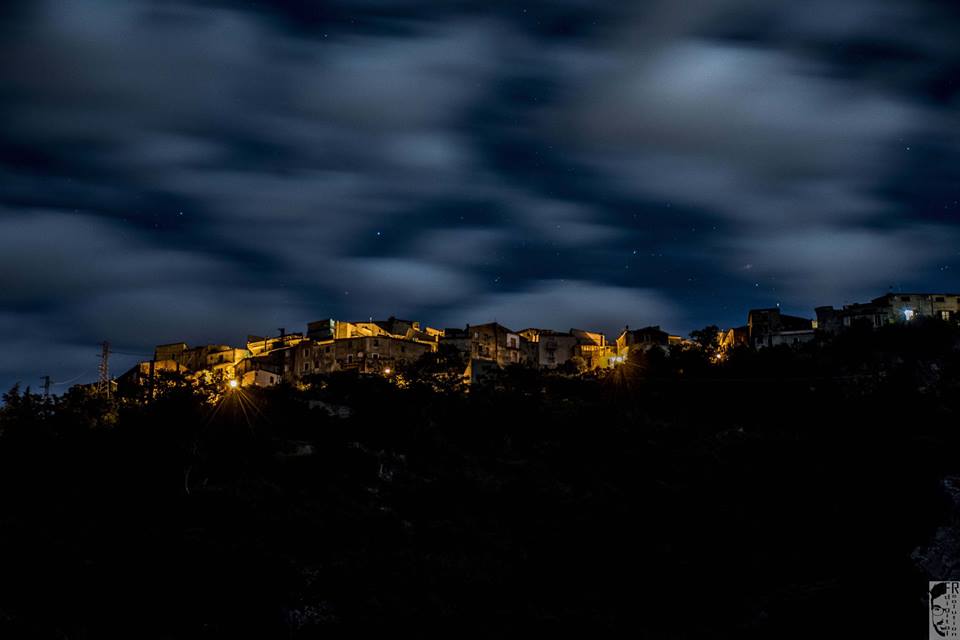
{"x": 780, "y": 495}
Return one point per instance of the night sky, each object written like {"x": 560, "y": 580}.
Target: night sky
{"x": 200, "y": 170}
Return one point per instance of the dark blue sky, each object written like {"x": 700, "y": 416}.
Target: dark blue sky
{"x": 203, "y": 170}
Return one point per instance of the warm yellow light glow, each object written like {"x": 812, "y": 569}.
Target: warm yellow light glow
{"x": 234, "y": 384}
{"x": 387, "y": 371}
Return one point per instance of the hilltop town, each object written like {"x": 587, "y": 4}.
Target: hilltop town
{"x": 382, "y": 347}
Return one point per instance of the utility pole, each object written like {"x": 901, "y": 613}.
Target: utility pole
{"x": 46, "y": 386}
{"x": 103, "y": 381}
{"x": 153, "y": 373}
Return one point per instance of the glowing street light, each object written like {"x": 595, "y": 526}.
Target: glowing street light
{"x": 387, "y": 370}
{"x": 234, "y": 384}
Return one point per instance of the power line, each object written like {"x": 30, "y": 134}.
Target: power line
{"x": 132, "y": 353}
{"x": 76, "y": 377}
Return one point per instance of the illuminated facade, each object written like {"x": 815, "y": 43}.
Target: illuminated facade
{"x": 379, "y": 354}
{"x": 212, "y": 360}
{"x": 641, "y": 339}
{"x": 551, "y": 349}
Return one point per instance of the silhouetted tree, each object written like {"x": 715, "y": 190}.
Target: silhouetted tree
{"x": 708, "y": 338}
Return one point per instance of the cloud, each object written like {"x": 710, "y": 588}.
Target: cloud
{"x": 561, "y": 223}
{"x": 742, "y": 132}
{"x": 572, "y": 304}
{"x": 62, "y": 257}
{"x": 824, "y": 265}
{"x": 463, "y": 247}
{"x": 205, "y": 169}
{"x": 403, "y": 285}
{"x": 199, "y": 313}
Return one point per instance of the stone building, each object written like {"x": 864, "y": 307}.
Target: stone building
{"x": 259, "y": 374}
{"x": 217, "y": 360}
{"x": 890, "y": 309}
{"x": 257, "y": 345}
{"x": 594, "y": 348}
{"x": 329, "y": 329}
{"x": 770, "y": 327}
{"x": 366, "y": 354}
{"x": 732, "y": 338}
{"x": 642, "y": 339}
{"x": 493, "y": 341}
{"x": 549, "y": 349}
{"x": 456, "y": 338}
{"x": 276, "y": 365}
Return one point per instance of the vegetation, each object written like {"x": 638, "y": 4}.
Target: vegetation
{"x": 775, "y": 494}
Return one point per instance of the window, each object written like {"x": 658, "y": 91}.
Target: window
{"x": 376, "y": 342}
{"x": 326, "y": 350}
{"x": 945, "y": 315}
{"x": 904, "y": 298}
{"x": 403, "y": 349}
{"x": 375, "y": 356}
{"x": 349, "y": 359}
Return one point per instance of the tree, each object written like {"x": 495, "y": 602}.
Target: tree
{"x": 708, "y": 337}
{"x": 441, "y": 370}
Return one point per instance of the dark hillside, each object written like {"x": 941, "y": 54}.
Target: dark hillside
{"x": 779, "y": 494}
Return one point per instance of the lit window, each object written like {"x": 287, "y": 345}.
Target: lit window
{"x": 945, "y": 315}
